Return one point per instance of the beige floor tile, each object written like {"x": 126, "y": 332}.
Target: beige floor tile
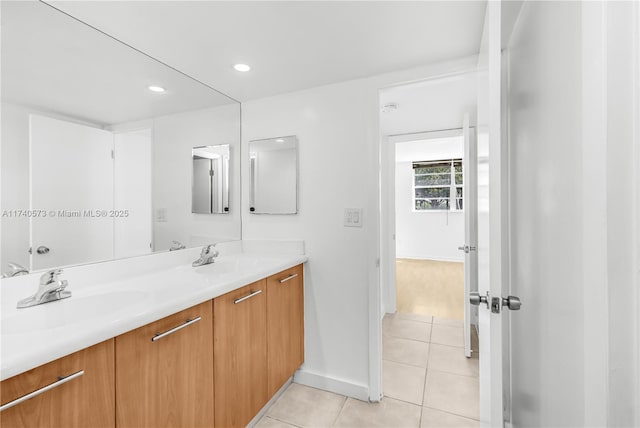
{"x": 432, "y": 418}
{"x": 451, "y": 359}
{"x": 307, "y": 407}
{"x": 452, "y": 393}
{"x": 447, "y": 335}
{"x": 267, "y": 422}
{"x": 448, "y": 321}
{"x": 387, "y": 413}
{"x": 406, "y": 351}
{"x": 403, "y": 382}
{"x": 407, "y": 329}
{"x": 414, "y": 317}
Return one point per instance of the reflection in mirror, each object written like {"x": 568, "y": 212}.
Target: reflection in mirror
{"x": 210, "y": 179}
{"x": 95, "y": 165}
{"x": 273, "y": 167}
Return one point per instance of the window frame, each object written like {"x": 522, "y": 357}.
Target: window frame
{"x": 452, "y": 186}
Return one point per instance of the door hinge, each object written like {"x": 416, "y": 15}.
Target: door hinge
{"x": 113, "y": 154}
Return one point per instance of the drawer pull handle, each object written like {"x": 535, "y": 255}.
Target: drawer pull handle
{"x": 293, "y": 275}
{"x": 187, "y": 323}
{"x": 61, "y": 380}
{"x": 248, "y": 296}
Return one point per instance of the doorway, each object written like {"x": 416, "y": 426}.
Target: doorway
{"x": 422, "y": 270}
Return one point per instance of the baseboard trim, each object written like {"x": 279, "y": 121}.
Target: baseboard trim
{"x": 314, "y": 380}
{"x": 435, "y": 259}
{"x": 270, "y": 403}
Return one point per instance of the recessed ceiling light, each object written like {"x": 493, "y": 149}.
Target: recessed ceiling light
{"x": 158, "y": 89}
{"x": 279, "y": 140}
{"x": 242, "y": 67}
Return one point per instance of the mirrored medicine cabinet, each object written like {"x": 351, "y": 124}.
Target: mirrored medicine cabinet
{"x": 103, "y": 147}
{"x": 273, "y": 172}
{"x": 210, "y": 190}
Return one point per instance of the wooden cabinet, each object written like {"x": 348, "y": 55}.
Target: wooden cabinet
{"x": 81, "y": 392}
{"x": 240, "y": 351}
{"x": 164, "y": 372}
{"x": 249, "y": 341}
{"x": 285, "y": 326}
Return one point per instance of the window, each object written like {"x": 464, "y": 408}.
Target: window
{"x": 437, "y": 185}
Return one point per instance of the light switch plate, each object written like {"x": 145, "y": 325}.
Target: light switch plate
{"x": 353, "y": 217}
{"x": 161, "y": 215}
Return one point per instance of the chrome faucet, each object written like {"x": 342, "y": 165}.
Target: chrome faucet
{"x": 176, "y": 245}
{"x": 51, "y": 289}
{"x": 14, "y": 270}
{"x": 207, "y": 256}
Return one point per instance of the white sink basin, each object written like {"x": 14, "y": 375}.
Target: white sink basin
{"x": 72, "y": 311}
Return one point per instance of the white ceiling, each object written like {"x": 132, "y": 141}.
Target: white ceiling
{"x": 430, "y": 105}
{"x": 53, "y": 63}
{"x": 290, "y": 45}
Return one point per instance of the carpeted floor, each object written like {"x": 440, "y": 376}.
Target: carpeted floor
{"x": 429, "y": 287}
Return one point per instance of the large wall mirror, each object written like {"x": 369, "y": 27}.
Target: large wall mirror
{"x": 273, "y": 172}
{"x": 98, "y": 147}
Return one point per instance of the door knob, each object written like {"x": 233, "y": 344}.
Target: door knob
{"x": 475, "y": 298}
{"x": 467, "y": 248}
{"x": 512, "y": 302}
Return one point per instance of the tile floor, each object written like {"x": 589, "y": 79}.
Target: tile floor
{"x": 428, "y": 382}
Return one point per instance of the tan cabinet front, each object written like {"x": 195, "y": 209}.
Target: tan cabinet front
{"x": 285, "y": 326}
{"x": 164, "y": 372}
{"x": 73, "y": 391}
{"x": 240, "y": 350}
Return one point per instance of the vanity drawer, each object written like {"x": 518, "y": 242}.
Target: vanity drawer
{"x": 73, "y": 391}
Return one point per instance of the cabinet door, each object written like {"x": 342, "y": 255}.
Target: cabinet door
{"x": 164, "y": 375}
{"x": 240, "y": 349}
{"x": 81, "y": 392}
{"x": 285, "y": 326}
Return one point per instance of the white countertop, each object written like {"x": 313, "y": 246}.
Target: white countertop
{"x": 100, "y": 309}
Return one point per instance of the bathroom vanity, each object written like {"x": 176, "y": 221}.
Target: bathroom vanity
{"x": 214, "y": 363}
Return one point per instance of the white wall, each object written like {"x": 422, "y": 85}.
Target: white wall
{"x": 174, "y": 137}
{"x": 15, "y": 184}
{"x": 572, "y": 149}
{"x": 334, "y": 155}
{"x": 424, "y": 235}
{"x": 132, "y": 193}
{"x": 336, "y": 126}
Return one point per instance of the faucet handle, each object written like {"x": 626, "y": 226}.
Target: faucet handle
{"x": 207, "y": 249}
{"x": 50, "y": 276}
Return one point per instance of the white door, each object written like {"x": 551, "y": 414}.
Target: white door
{"x": 492, "y": 225}
{"x": 132, "y": 193}
{"x": 470, "y": 228}
{"x": 72, "y": 189}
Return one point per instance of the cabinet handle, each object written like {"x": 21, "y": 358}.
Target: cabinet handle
{"x": 293, "y": 275}
{"x": 37, "y": 392}
{"x": 187, "y": 323}
{"x": 248, "y": 296}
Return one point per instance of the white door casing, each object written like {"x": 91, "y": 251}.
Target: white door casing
{"x": 470, "y": 228}
{"x": 492, "y": 219}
